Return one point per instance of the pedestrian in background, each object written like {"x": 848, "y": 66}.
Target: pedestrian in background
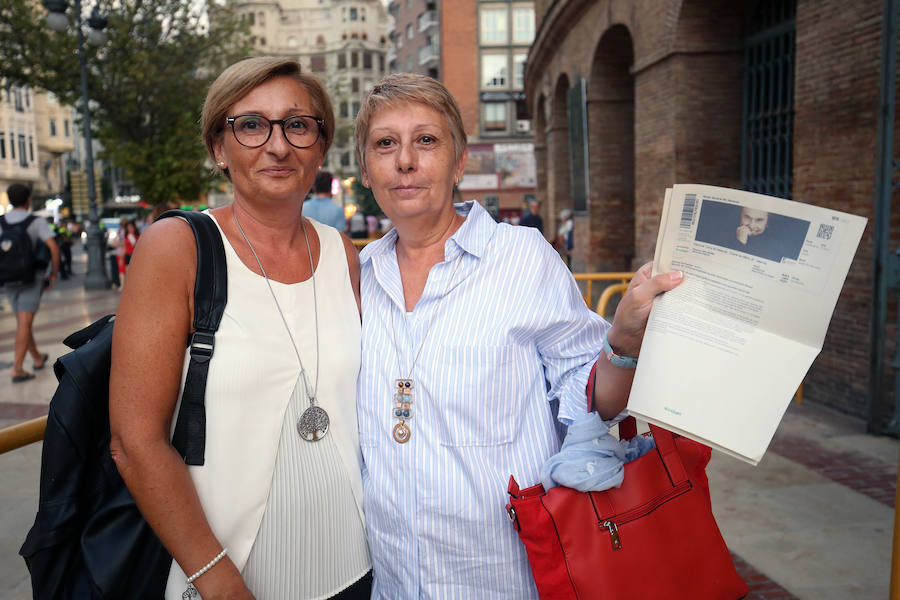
{"x": 25, "y": 296}
{"x": 565, "y": 236}
{"x": 532, "y": 218}
{"x": 321, "y": 207}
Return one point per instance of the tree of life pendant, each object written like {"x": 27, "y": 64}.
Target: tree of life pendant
{"x": 190, "y": 592}
{"x": 403, "y": 410}
{"x": 313, "y": 424}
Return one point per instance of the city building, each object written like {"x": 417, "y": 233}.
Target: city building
{"x": 343, "y": 42}
{"x": 782, "y": 97}
{"x": 36, "y": 135}
{"x": 56, "y": 132}
{"x": 415, "y": 34}
{"x": 19, "y": 156}
{"x": 478, "y": 50}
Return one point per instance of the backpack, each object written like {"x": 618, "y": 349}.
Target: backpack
{"x": 89, "y": 540}
{"x": 20, "y": 258}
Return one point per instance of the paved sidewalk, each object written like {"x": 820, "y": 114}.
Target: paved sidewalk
{"x": 814, "y": 520}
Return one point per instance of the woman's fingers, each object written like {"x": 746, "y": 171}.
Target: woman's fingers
{"x": 634, "y": 309}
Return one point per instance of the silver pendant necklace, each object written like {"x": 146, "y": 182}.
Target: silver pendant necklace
{"x": 403, "y": 397}
{"x": 314, "y": 422}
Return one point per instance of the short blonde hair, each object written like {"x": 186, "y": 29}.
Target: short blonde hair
{"x": 243, "y": 77}
{"x": 410, "y": 87}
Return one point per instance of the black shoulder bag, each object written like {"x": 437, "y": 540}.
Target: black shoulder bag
{"x": 89, "y": 540}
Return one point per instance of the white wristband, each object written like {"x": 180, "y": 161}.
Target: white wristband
{"x": 208, "y": 566}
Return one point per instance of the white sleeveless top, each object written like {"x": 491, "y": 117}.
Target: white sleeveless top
{"x": 289, "y": 511}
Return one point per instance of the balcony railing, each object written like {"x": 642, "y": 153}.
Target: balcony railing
{"x": 428, "y": 54}
{"x": 427, "y": 20}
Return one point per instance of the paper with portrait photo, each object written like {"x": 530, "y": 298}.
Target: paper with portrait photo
{"x": 726, "y": 350}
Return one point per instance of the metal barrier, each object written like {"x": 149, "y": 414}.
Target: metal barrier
{"x": 590, "y": 278}
{"x": 608, "y": 293}
{"x": 27, "y": 432}
{"x": 22, "y": 434}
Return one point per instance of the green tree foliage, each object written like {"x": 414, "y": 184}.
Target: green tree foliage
{"x": 147, "y": 83}
{"x": 365, "y": 199}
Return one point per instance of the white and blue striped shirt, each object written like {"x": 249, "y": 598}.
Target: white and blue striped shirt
{"x": 503, "y": 319}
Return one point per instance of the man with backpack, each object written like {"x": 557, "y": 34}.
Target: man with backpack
{"x": 24, "y": 244}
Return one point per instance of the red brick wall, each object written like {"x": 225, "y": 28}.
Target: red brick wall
{"x": 687, "y": 128}
{"x": 459, "y": 58}
{"x": 835, "y": 144}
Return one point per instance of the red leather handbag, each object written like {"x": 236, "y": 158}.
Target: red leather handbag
{"x": 653, "y": 537}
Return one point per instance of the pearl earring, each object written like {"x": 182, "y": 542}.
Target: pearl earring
{"x": 220, "y": 164}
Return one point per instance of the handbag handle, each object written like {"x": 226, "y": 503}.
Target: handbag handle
{"x": 665, "y": 443}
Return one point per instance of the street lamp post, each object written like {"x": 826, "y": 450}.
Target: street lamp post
{"x": 56, "y": 19}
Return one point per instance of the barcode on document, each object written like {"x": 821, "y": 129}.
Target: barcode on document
{"x": 825, "y": 232}
{"x": 687, "y": 211}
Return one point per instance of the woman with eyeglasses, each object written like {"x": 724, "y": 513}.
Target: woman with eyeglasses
{"x": 275, "y": 511}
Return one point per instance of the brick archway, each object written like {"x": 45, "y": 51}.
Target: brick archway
{"x": 540, "y": 158}
{"x": 559, "y": 185}
{"x": 610, "y": 109}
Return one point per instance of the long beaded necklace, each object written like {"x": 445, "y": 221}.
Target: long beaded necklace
{"x": 403, "y": 387}
{"x": 313, "y": 423}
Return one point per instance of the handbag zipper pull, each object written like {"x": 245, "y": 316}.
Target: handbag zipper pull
{"x": 613, "y": 534}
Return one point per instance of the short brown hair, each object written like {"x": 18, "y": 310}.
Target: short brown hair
{"x": 242, "y": 77}
{"x": 410, "y": 87}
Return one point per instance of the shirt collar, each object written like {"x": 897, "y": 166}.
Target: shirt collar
{"x": 472, "y": 237}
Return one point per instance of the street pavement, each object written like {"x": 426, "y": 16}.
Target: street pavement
{"x": 814, "y": 520}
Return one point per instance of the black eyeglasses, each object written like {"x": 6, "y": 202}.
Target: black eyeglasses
{"x": 252, "y": 131}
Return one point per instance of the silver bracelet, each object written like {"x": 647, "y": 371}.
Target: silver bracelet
{"x": 208, "y": 566}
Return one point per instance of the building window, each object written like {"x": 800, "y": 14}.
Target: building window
{"x": 355, "y": 109}
{"x": 381, "y": 63}
{"x": 252, "y": 18}
{"x": 519, "y": 70}
{"x": 362, "y": 14}
{"x": 523, "y": 25}
{"x": 317, "y": 63}
{"x": 344, "y": 14}
{"x": 768, "y": 112}
{"x": 345, "y": 159}
{"x": 342, "y": 61}
{"x": 367, "y": 60}
{"x": 410, "y": 64}
{"x": 352, "y": 13}
{"x": 261, "y": 18}
{"x": 354, "y": 84}
{"x": 27, "y": 98}
{"x": 344, "y": 109}
{"x": 495, "y": 116}
{"x": 494, "y": 26}
{"x": 23, "y": 161}
{"x": 400, "y": 41}
{"x": 52, "y": 127}
{"x": 2, "y": 145}
{"x": 30, "y": 148}
{"x": 17, "y": 95}
{"x": 354, "y": 59}
{"x": 66, "y": 127}
{"x": 494, "y": 71}
{"x": 262, "y": 41}
{"x": 409, "y": 32}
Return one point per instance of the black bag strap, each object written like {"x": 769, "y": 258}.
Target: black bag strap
{"x": 210, "y": 296}
{"x": 23, "y": 224}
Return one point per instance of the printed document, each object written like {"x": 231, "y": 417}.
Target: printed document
{"x": 725, "y": 351}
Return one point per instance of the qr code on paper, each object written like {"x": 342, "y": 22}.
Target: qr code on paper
{"x": 825, "y": 232}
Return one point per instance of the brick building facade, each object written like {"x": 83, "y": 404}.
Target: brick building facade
{"x": 666, "y": 101}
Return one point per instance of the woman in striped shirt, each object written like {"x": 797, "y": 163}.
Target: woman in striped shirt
{"x": 475, "y": 339}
